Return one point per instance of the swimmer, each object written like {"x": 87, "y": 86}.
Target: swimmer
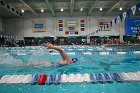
{"x": 65, "y": 60}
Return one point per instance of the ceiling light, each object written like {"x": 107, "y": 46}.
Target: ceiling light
{"x": 101, "y": 9}
{"x": 81, "y": 9}
{"x": 42, "y": 10}
{"x": 62, "y": 10}
{"x": 22, "y": 11}
{"x": 120, "y": 8}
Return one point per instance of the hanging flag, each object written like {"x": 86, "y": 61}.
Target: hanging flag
{"x": 66, "y": 33}
{"x": 60, "y": 29}
{"x": 82, "y": 25}
{"x": 82, "y": 29}
{"x": 60, "y": 21}
{"x": 111, "y": 23}
{"x": 6, "y": 36}
{"x": 133, "y": 8}
{"x": 138, "y": 7}
{"x": 121, "y": 17}
{"x": 101, "y": 28}
{"x": 82, "y": 21}
{"x": 115, "y": 20}
{"x": 60, "y": 25}
{"x": 71, "y": 33}
{"x": 124, "y": 15}
{"x": 107, "y": 25}
{"x": 104, "y": 27}
{"x": 118, "y": 19}
{"x": 76, "y": 32}
{"x": 97, "y": 30}
{"x": 128, "y": 13}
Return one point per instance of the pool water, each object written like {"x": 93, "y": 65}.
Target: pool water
{"x": 93, "y": 63}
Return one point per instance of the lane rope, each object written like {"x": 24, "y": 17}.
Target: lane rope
{"x": 70, "y": 78}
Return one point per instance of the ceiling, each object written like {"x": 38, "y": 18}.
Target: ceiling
{"x": 71, "y": 7}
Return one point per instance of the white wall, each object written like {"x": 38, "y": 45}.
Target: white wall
{"x": 0, "y": 24}
{"x": 23, "y": 27}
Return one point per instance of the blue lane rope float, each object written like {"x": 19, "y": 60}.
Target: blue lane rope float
{"x": 117, "y": 77}
{"x": 35, "y": 79}
{"x": 108, "y": 78}
{"x": 51, "y": 79}
{"x": 93, "y": 78}
{"x": 48, "y": 79}
{"x": 71, "y": 78}
{"x": 1, "y": 76}
{"x": 57, "y": 79}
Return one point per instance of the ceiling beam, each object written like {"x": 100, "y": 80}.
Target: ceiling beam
{"x": 93, "y": 6}
{"x": 29, "y": 7}
{"x": 48, "y": 4}
{"x": 71, "y": 6}
{"x": 113, "y": 7}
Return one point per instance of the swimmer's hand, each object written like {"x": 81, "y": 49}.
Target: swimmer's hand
{"x": 49, "y": 45}
{"x": 42, "y": 45}
{"x": 50, "y": 51}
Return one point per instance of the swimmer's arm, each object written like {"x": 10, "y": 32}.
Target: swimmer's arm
{"x": 63, "y": 54}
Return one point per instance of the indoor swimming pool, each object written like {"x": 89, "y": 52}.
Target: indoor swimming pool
{"x": 92, "y": 60}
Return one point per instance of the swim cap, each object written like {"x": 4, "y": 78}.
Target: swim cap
{"x": 74, "y": 59}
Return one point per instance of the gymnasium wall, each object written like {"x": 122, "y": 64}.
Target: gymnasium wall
{"x": 23, "y": 26}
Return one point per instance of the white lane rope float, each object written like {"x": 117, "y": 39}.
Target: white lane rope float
{"x": 70, "y": 78}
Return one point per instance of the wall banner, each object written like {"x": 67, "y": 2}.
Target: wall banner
{"x": 132, "y": 25}
{"x": 71, "y": 27}
{"x": 38, "y": 25}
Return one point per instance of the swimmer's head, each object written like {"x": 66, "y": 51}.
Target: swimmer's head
{"x": 74, "y": 59}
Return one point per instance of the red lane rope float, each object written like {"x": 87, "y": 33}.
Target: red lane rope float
{"x": 42, "y": 80}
